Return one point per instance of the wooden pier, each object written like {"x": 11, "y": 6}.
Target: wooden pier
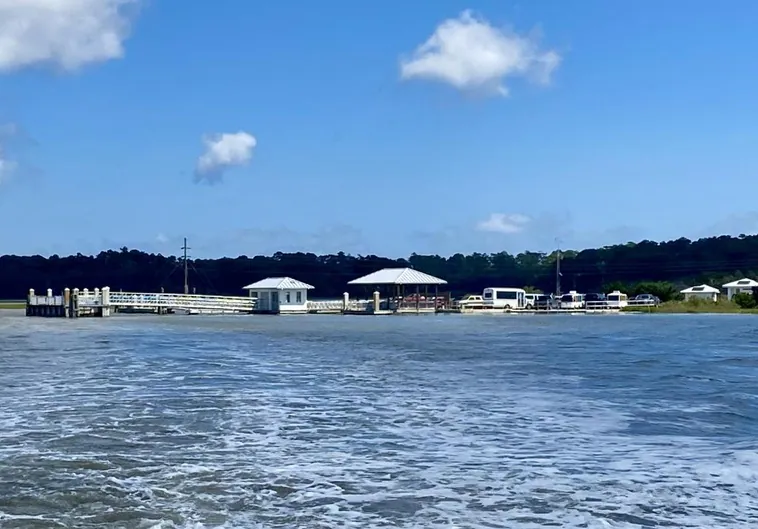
{"x": 102, "y": 303}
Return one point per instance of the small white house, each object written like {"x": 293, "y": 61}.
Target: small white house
{"x": 280, "y": 295}
{"x": 704, "y": 292}
{"x": 741, "y": 285}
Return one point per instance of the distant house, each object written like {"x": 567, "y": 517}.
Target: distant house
{"x": 280, "y": 295}
{"x": 741, "y": 285}
{"x": 704, "y": 292}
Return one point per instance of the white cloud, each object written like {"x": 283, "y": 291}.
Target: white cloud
{"x": 67, "y": 34}
{"x": 223, "y": 151}
{"x": 7, "y": 166}
{"x": 508, "y": 223}
{"x": 161, "y": 238}
{"x": 472, "y": 55}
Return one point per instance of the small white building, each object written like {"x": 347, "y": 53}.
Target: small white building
{"x": 741, "y": 285}
{"x": 704, "y": 292}
{"x": 280, "y": 295}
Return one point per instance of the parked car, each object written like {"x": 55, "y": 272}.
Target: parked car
{"x": 543, "y": 302}
{"x": 470, "y": 300}
{"x": 595, "y": 300}
{"x": 649, "y": 299}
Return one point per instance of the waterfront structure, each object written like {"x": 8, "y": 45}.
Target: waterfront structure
{"x": 703, "y": 292}
{"x": 71, "y": 304}
{"x": 102, "y": 303}
{"x": 741, "y": 285}
{"x": 280, "y": 295}
{"x": 395, "y": 281}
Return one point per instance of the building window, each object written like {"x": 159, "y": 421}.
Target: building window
{"x": 299, "y": 296}
{"x": 253, "y": 294}
{"x": 287, "y": 297}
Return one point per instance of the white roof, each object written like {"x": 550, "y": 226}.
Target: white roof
{"x": 278, "y": 283}
{"x": 398, "y": 276}
{"x": 742, "y": 283}
{"x": 700, "y": 289}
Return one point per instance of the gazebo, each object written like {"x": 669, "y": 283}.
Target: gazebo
{"x": 741, "y": 285}
{"x": 397, "y": 279}
{"x": 704, "y": 292}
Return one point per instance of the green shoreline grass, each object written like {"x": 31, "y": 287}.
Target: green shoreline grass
{"x": 693, "y": 307}
{"x": 12, "y": 304}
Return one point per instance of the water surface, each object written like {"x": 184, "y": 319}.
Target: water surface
{"x": 426, "y": 422}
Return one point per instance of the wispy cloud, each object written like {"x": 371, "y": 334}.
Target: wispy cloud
{"x": 472, "y": 55}
{"x": 223, "y": 151}
{"x": 7, "y": 166}
{"x": 737, "y": 223}
{"x": 66, "y": 34}
{"x": 505, "y": 223}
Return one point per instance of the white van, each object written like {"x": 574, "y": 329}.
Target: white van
{"x": 504, "y": 298}
{"x": 531, "y": 299}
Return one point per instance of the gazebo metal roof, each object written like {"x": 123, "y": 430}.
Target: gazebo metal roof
{"x": 397, "y": 276}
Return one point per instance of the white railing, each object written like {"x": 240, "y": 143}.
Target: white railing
{"x": 331, "y": 305}
{"x": 596, "y": 306}
{"x": 147, "y": 301}
{"x": 46, "y": 300}
{"x": 406, "y": 306}
{"x": 617, "y": 305}
{"x": 641, "y": 303}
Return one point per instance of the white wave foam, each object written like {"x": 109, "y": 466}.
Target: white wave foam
{"x": 248, "y": 432}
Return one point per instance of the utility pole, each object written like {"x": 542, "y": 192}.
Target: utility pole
{"x": 558, "y": 268}
{"x": 186, "y": 270}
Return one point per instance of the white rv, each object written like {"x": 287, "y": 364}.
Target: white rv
{"x": 617, "y": 299}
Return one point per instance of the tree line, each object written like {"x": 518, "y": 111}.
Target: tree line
{"x": 660, "y": 268}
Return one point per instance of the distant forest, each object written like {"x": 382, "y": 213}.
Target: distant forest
{"x": 659, "y": 268}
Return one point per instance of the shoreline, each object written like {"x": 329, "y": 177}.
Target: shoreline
{"x": 682, "y": 307}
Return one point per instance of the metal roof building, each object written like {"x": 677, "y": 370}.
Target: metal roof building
{"x": 742, "y": 285}
{"x": 280, "y": 295}
{"x": 394, "y": 281}
{"x": 397, "y": 276}
{"x": 278, "y": 283}
{"x": 701, "y": 292}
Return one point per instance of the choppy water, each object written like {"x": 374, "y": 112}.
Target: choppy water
{"x": 428, "y": 422}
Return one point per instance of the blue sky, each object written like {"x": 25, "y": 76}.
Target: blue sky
{"x": 622, "y": 121}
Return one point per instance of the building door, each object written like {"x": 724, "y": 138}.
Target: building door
{"x": 275, "y": 301}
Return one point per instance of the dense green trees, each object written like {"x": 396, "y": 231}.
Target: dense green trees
{"x": 657, "y": 268}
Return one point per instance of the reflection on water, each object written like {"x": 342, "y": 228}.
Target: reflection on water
{"x": 321, "y": 421}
